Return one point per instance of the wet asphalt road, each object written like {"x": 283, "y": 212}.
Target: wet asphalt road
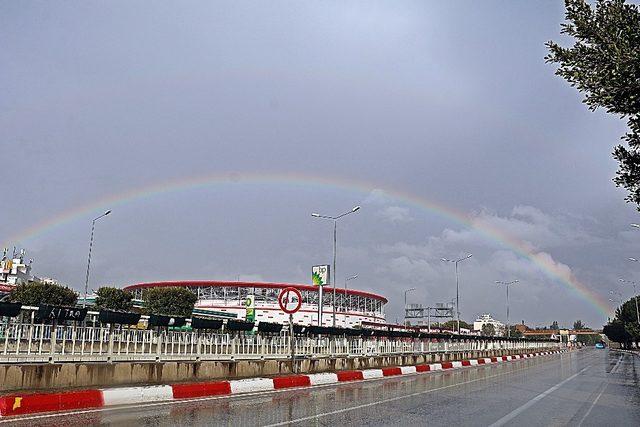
{"x": 587, "y": 387}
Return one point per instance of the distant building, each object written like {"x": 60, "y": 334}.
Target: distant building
{"x": 14, "y": 271}
{"x": 353, "y": 307}
{"x": 486, "y": 319}
{"x": 522, "y": 328}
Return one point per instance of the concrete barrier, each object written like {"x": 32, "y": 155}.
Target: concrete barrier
{"x": 47, "y": 376}
{"x": 30, "y": 403}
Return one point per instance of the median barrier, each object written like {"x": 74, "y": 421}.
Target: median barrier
{"x": 30, "y": 403}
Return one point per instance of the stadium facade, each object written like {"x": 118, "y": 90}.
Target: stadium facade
{"x": 352, "y": 306}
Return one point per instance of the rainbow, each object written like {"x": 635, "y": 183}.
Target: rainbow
{"x": 556, "y": 271}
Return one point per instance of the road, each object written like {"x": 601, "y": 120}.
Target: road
{"x": 587, "y": 387}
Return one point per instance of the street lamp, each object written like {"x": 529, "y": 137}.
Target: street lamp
{"x": 506, "y": 284}
{"x": 457, "y": 287}
{"x": 86, "y": 280}
{"x": 335, "y": 222}
{"x": 635, "y": 297}
{"x": 635, "y": 225}
{"x": 405, "y": 303}
{"x": 355, "y": 276}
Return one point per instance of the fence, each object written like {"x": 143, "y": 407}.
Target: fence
{"x": 22, "y": 340}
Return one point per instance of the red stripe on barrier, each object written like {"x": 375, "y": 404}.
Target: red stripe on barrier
{"x": 504, "y": 358}
{"x": 350, "y": 375}
{"x": 494, "y": 359}
{"x": 388, "y": 372}
{"x": 466, "y": 363}
{"x": 47, "y": 402}
{"x": 447, "y": 365}
{"x": 481, "y": 362}
{"x": 423, "y": 368}
{"x": 292, "y": 381}
{"x": 185, "y": 391}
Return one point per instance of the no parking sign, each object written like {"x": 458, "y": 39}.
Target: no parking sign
{"x": 290, "y": 300}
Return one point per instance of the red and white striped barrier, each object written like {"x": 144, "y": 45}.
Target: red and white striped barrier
{"x": 19, "y": 404}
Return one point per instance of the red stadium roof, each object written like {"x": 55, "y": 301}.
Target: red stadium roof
{"x": 204, "y": 283}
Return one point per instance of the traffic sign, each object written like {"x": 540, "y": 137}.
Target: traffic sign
{"x": 290, "y": 300}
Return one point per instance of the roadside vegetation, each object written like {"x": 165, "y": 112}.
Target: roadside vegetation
{"x": 110, "y": 298}
{"x": 624, "y": 328}
{"x": 36, "y": 293}
{"x": 604, "y": 65}
{"x": 169, "y": 301}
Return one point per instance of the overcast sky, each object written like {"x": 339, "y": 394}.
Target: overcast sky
{"x": 448, "y": 101}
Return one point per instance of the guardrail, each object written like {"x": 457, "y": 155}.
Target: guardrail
{"x": 26, "y": 341}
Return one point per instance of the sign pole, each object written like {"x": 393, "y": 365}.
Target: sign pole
{"x": 320, "y": 305}
{"x": 293, "y": 345}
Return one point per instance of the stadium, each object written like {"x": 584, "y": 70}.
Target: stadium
{"x": 227, "y": 299}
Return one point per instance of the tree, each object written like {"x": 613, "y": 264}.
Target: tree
{"x": 488, "y": 330}
{"x": 36, "y": 293}
{"x": 452, "y": 325}
{"x": 515, "y": 333}
{"x": 604, "y": 64}
{"x": 171, "y": 301}
{"x": 554, "y": 325}
{"x": 110, "y": 298}
{"x": 616, "y": 332}
{"x": 577, "y": 325}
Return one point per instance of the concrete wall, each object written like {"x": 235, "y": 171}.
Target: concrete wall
{"x": 14, "y": 377}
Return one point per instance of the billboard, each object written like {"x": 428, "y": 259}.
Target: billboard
{"x": 320, "y": 275}
{"x": 250, "y": 306}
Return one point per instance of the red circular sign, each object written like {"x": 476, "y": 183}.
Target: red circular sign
{"x": 290, "y": 300}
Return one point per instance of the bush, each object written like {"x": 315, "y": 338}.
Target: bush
{"x": 110, "y": 298}
{"x": 36, "y": 293}
{"x": 169, "y": 301}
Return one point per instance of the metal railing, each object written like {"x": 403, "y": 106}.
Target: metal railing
{"x": 25, "y": 341}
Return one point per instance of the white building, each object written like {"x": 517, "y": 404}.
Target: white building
{"x": 14, "y": 271}
{"x": 486, "y": 319}
{"x": 352, "y": 306}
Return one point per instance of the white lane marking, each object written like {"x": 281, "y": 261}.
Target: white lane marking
{"x": 595, "y": 402}
{"x": 617, "y": 363}
{"x": 393, "y": 399}
{"x": 244, "y": 396}
{"x": 511, "y": 415}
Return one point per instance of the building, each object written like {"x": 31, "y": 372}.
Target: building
{"x": 486, "y": 319}
{"x": 14, "y": 271}
{"x": 352, "y": 306}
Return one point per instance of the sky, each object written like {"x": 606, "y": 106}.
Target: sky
{"x": 448, "y": 102}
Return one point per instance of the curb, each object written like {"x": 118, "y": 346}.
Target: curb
{"x": 16, "y": 404}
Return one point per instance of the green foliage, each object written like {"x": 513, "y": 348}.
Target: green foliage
{"x": 589, "y": 339}
{"x": 452, "y": 325}
{"x": 624, "y": 328}
{"x": 604, "y": 65}
{"x": 172, "y": 301}
{"x": 36, "y": 293}
{"x": 515, "y": 333}
{"x": 617, "y": 332}
{"x": 577, "y": 325}
{"x": 110, "y": 298}
{"x": 488, "y": 330}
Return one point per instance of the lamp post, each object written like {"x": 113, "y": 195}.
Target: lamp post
{"x": 355, "y": 276}
{"x": 457, "y": 287}
{"x": 335, "y": 222}
{"x": 635, "y": 225}
{"x": 86, "y": 280}
{"x": 405, "y": 303}
{"x": 507, "y": 284}
{"x": 635, "y": 297}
